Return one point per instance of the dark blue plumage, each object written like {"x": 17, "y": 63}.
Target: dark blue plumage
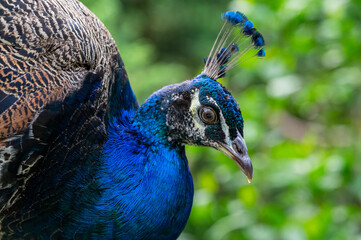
{"x": 142, "y": 190}
{"x": 88, "y": 162}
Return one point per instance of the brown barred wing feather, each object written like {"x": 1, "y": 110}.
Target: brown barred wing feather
{"x": 46, "y": 50}
{"x": 57, "y": 61}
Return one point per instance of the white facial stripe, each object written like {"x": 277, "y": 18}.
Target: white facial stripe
{"x": 225, "y": 129}
{"x": 193, "y": 109}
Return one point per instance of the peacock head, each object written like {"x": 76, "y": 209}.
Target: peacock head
{"x": 202, "y": 111}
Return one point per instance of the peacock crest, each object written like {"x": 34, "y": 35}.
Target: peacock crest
{"x": 237, "y": 41}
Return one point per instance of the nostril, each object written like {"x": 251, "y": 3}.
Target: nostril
{"x": 237, "y": 147}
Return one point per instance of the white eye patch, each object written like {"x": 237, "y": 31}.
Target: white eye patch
{"x": 195, "y": 104}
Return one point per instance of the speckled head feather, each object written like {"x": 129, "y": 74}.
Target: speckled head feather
{"x": 236, "y": 42}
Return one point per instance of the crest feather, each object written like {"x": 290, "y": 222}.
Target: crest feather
{"x": 236, "y": 33}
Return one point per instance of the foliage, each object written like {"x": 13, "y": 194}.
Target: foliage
{"x": 301, "y": 105}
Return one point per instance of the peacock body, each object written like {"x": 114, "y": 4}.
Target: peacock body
{"x": 79, "y": 158}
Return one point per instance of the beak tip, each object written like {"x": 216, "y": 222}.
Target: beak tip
{"x": 248, "y": 171}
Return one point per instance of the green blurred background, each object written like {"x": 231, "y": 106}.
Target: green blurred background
{"x": 301, "y": 105}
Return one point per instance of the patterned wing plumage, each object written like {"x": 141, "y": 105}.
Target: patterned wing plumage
{"x": 59, "y": 68}
{"x": 46, "y": 50}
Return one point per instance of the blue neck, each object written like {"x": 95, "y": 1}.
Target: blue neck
{"x": 148, "y": 189}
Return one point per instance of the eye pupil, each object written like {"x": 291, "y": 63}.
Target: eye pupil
{"x": 208, "y": 115}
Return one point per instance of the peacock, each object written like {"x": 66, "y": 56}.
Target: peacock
{"x": 79, "y": 158}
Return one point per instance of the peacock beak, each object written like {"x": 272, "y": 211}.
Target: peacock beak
{"x": 237, "y": 150}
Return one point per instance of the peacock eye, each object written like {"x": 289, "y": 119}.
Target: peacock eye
{"x": 208, "y": 115}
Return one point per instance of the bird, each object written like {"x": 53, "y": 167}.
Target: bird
{"x": 79, "y": 157}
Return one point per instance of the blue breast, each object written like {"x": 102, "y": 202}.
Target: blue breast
{"x": 146, "y": 188}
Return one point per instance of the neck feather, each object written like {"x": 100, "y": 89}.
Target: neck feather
{"x": 147, "y": 178}
{"x": 151, "y": 117}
